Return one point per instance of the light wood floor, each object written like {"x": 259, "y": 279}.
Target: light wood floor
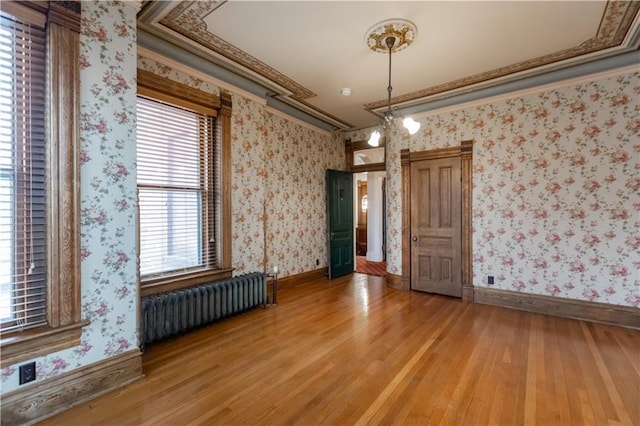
{"x": 351, "y": 351}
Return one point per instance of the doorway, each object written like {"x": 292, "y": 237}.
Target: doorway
{"x": 361, "y": 207}
{"x": 370, "y": 223}
{"x": 369, "y": 205}
{"x": 436, "y": 226}
{"x": 436, "y": 257}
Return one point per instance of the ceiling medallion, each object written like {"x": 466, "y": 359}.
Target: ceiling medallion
{"x": 402, "y": 30}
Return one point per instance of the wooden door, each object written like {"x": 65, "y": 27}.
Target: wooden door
{"x": 436, "y": 226}
{"x": 340, "y": 221}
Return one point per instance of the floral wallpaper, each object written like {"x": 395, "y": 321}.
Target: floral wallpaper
{"x": 278, "y": 204}
{"x": 277, "y": 184}
{"x": 168, "y": 72}
{"x": 248, "y": 185}
{"x": 556, "y": 189}
{"x": 108, "y": 191}
{"x": 296, "y": 162}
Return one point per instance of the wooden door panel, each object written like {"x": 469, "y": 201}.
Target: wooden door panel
{"x": 424, "y": 267}
{"x": 436, "y": 226}
{"x": 342, "y": 250}
{"x": 434, "y": 241}
{"x": 445, "y": 182}
{"x": 446, "y": 269}
{"x": 423, "y": 195}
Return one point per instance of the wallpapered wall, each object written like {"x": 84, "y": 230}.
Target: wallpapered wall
{"x": 556, "y": 189}
{"x": 297, "y": 158}
{"x": 277, "y": 187}
{"x": 108, "y": 192}
{"x": 248, "y": 185}
{"x": 277, "y": 184}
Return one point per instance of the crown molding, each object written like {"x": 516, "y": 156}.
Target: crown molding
{"x": 459, "y": 103}
{"x": 298, "y": 121}
{"x": 181, "y": 67}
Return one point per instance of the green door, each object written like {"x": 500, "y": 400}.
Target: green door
{"x": 340, "y": 219}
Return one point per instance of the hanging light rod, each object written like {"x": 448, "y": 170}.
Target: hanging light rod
{"x": 390, "y": 36}
{"x": 390, "y": 42}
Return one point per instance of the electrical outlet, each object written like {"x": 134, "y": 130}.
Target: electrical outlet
{"x": 490, "y": 280}
{"x": 27, "y": 372}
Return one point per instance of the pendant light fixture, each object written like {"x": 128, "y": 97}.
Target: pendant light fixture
{"x": 391, "y": 36}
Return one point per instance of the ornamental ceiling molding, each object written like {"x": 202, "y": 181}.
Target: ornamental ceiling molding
{"x": 187, "y": 19}
{"x": 616, "y": 21}
{"x": 402, "y": 31}
{"x": 306, "y": 106}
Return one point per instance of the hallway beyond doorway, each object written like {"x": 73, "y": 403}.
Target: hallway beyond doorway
{"x": 378, "y": 269}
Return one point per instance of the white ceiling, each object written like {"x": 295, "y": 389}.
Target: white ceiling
{"x": 305, "y": 52}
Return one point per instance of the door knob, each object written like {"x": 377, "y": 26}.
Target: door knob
{"x": 415, "y": 238}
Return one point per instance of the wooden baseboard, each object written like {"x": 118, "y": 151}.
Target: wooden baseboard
{"x": 623, "y": 316}
{"x": 467, "y": 293}
{"x": 398, "y": 282}
{"x": 305, "y": 277}
{"x": 44, "y": 399}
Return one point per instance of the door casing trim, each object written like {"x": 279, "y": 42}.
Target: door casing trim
{"x": 465, "y": 153}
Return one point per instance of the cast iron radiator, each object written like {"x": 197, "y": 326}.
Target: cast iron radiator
{"x": 168, "y": 314}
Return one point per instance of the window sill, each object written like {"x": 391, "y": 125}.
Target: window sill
{"x": 177, "y": 282}
{"x": 20, "y": 346}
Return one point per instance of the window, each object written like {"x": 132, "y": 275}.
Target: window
{"x": 176, "y": 182}
{"x": 362, "y": 158}
{"x": 180, "y": 185}
{"x": 39, "y": 194}
{"x": 22, "y": 174}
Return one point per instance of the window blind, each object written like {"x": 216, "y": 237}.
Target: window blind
{"x": 177, "y": 183}
{"x": 23, "y": 200}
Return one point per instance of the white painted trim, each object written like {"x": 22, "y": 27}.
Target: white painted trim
{"x": 375, "y": 215}
{"x": 529, "y": 91}
{"x": 296, "y": 120}
{"x": 177, "y": 66}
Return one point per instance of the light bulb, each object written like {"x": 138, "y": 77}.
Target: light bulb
{"x": 275, "y": 269}
{"x": 374, "y": 140}
{"x": 411, "y": 125}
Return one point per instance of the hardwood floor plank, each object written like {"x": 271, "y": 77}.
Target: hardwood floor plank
{"x": 621, "y": 415}
{"x": 621, "y": 367}
{"x": 484, "y": 392}
{"x": 413, "y": 397}
{"x": 353, "y": 351}
{"x": 532, "y": 373}
{"x": 561, "y": 378}
{"x": 391, "y": 387}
